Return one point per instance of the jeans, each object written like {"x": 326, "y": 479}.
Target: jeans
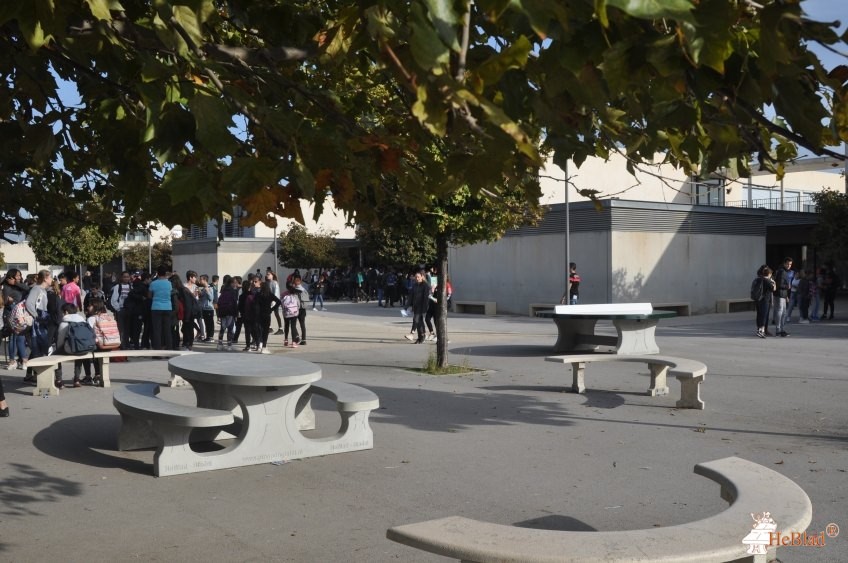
{"x": 227, "y": 324}
{"x": 317, "y": 297}
{"x": 17, "y": 347}
{"x": 793, "y": 302}
{"x": 762, "y": 313}
{"x": 418, "y": 324}
{"x": 779, "y": 313}
{"x": 160, "y": 330}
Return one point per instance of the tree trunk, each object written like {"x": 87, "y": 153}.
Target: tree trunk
{"x": 442, "y": 317}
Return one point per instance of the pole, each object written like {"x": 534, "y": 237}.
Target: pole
{"x": 276, "y": 262}
{"x": 567, "y": 235}
{"x": 149, "y": 252}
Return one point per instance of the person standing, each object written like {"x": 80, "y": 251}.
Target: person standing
{"x": 419, "y": 299}
{"x": 161, "y": 310}
{"x": 37, "y": 307}
{"x": 267, "y": 303}
{"x": 831, "y": 285}
{"x": 207, "y": 307}
{"x": 118, "y": 305}
{"x": 762, "y": 289}
{"x": 227, "y": 312}
{"x": 13, "y": 292}
{"x": 274, "y": 286}
{"x": 71, "y": 292}
{"x": 572, "y": 291}
{"x": 302, "y": 296}
{"x": 783, "y": 285}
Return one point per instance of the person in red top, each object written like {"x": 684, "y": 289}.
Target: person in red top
{"x": 573, "y": 292}
{"x": 71, "y": 290}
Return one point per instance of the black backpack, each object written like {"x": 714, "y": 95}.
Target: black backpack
{"x": 80, "y": 339}
{"x": 228, "y": 303}
{"x": 757, "y": 289}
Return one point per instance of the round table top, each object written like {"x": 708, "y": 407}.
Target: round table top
{"x": 245, "y": 369}
{"x": 656, "y": 314}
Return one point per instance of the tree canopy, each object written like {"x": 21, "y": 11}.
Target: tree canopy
{"x": 177, "y": 110}
{"x": 69, "y": 246}
{"x": 140, "y": 256}
{"x": 830, "y": 235}
{"x": 299, "y": 248}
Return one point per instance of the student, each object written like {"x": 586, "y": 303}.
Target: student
{"x": 765, "y": 292}
{"x": 419, "y": 299}
{"x": 302, "y": 296}
{"x": 783, "y": 285}
{"x": 266, "y": 304}
{"x": 161, "y": 310}
{"x": 572, "y": 291}
{"x": 207, "y": 308}
{"x": 271, "y": 280}
{"x": 227, "y": 312}
{"x": 70, "y": 314}
{"x": 291, "y": 311}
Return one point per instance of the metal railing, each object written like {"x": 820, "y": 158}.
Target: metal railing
{"x": 803, "y": 203}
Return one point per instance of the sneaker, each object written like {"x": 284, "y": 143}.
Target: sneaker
{"x": 219, "y": 347}
{"x": 265, "y": 351}
{"x": 12, "y": 365}
{"x": 22, "y": 365}
{"x": 285, "y": 342}
{"x": 86, "y": 380}
{"x": 279, "y": 331}
{"x": 77, "y": 383}
{"x": 410, "y": 337}
{"x": 783, "y": 333}
{"x": 768, "y": 333}
{"x": 323, "y": 308}
{"x": 403, "y": 313}
{"x": 303, "y": 342}
{"x": 804, "y": 322}
{"x": 229, "y": 347}
{"x": 761, "y": 334}
{"x": 51, "y": 350}
{"x": 294, "y": 344}
{"x": 314, "y": 308}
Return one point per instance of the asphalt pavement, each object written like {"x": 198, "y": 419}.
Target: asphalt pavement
{"x": 504, "y": 444}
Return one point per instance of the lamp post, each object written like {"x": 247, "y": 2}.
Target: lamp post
{"x": 176, "y": 232}
{"x": 149, "y": 250}
{"x": 567, "y": 233}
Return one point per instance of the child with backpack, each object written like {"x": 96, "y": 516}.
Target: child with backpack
{"x": 291, "y": 311}
{"x": 267, "y": 303}
{"x": 74, "y": 337}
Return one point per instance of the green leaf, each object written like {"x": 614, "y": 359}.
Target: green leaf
{"x": 430, "y": 113}
{"x": 427, "y": 48}
{"x": 655, "y": 9}
{"x": 183, "y": 183}
{"x": 303, "y": 176}
{"x": 100, "y": 9}
{"x": 514, "y": 56}
{"x": 213, "y": 119}
{"x": 445, "y": 20}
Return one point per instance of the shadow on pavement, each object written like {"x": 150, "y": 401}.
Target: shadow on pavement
{"x": 78, "y": 438}
{"x": 507, "y": 351}
{"x": 556, "y": 522}
{"x": 23, "y": 490}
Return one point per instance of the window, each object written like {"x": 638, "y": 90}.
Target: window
{"x": 708, "y": 192}
{"x": 22, "y": 266}
{"x": 137, "y": 236}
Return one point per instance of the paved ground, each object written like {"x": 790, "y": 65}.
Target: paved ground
{"x": 506, "y": 445}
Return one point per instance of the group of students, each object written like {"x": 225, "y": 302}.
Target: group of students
{"x": 423, "y": 300}
{"x": 37, "y": 316}
{"x": 778, "y": 292}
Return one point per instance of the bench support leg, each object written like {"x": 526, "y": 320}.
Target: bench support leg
{"x": 45, "y": 381}
{"x": 659, "y": 382}
{"x": 135, "y": 434}
{"x": 636, "y": 337}
{"x": 577, "y": 371}
{"x": 104, "y": 372}
{"x": 690, "y": 389}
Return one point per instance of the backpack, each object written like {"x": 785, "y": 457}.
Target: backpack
{"x": 80, "y": 339}
{"x": 291, "y": 305}
{"x": 757, "y": 289}
{"x": 106, "y": 334}
{"x": 228, "y": 303}
{"x": 19, "y": 319}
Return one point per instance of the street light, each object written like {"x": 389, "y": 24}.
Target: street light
{"x": 176, "y": 233}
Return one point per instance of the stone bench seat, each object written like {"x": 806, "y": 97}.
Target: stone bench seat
{"x": 45, "y": 366}
{"x": 690, "y": 373}
{"x": 148, "y": 421}
{"x": 735, "y": 305}
{"x": 750, "y": 489}
{"x": 354, "y": 405}
{"x": 475, "y": 307}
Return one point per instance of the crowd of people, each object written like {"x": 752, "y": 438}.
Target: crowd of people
{"x": 777, "y": 293}
{"x": 163, "y": 311}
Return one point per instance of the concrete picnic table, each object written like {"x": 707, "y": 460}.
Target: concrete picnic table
{"x": 635, "y": 324}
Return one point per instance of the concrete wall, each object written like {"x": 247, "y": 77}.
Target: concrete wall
{"x": 681, "y": 267}
{"x": 235, "y": 257}
{"x": 517, "y": 271}
{"x": 617, "y": 267}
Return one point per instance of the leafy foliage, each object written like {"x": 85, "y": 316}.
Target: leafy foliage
{"x": 401, "y": 247}
{"x": 187, "y": 108}
{"x": 299, "y": 248}
{"x": 831, "y": 235}
{"x": 85, "y": 246}
{"x": 139, "y": 256}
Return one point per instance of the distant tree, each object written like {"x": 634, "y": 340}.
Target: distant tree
{"x": 831, "y": 236}
{"x": 404, "y": 246}
{"x": 300, "y": 248}
{"x": 71, "y": 245}
{"x": 137, "y": 256}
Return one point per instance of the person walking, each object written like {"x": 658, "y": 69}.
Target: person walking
{"x": 266, "y": 304}
{"x": 762, "y": 290}
{"x": 572, "y": 290}
{"x": 227, "y": 312}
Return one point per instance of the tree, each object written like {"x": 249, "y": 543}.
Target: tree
{"x": 405, "y": 245}
{"x": 830, "y": 235}
{"x": 189, "y": 107}
{"x": 139, "y": 256}
{"x": 86, "y": 246}
{"x": 300, "y": 248}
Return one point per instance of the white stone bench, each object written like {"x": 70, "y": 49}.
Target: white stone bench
{"x": 476, "y": 307}
{"x": 148, "y": 421}
{"x": 536, "y": 307}
{"x": 354, "y": 404}
{"x": 690, "y": 373}
{"x": 45, "y": 366}
{"x": 735, "y": 305}
{"x": 683, "y": 309}
{"x": 748, "y": 487}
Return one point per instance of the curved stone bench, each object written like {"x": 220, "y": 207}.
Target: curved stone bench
{"x": 354, "y": 404}
{"x": 45, "y": 366}
{"x": 148, "y": 421}
{"x": 690, "y": 374}
{"x": 748, "y": 487}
